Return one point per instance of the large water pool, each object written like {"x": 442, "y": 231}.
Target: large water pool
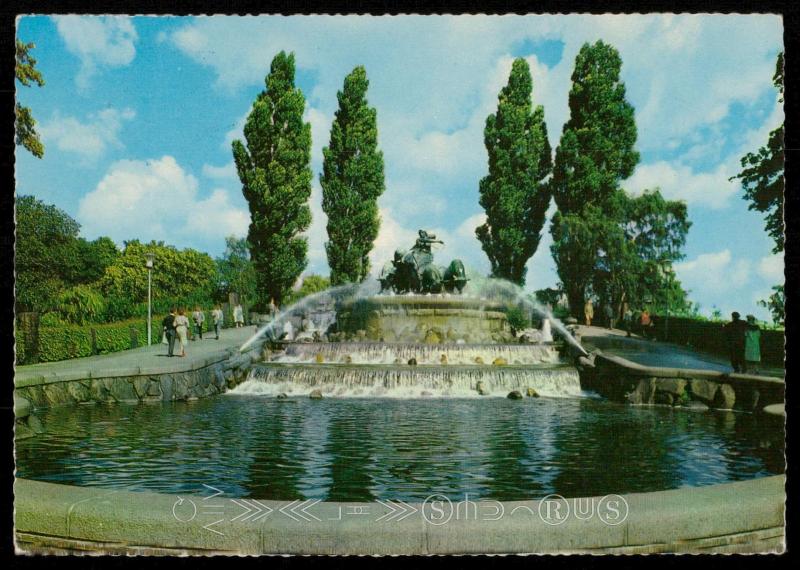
{"x": 366, "y": 449}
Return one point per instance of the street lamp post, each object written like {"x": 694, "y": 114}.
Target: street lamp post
{"x": 666, "y": 275}
{"x": 150, "y": 257}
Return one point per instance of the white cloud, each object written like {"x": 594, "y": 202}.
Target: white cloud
{"x": 680, "y": 182}
{"x": 98, "y": 41}
{"x": 158, "y": 200}
{"x": 715, "y": 272}
{"x": 320, "y": 134}
{"x": 226, "y": 171}
{"x": 236, "y": 132}
{"x": 89, "y": 138}
{"x": 317, "y": 233}
{"x": 771, "y": 268}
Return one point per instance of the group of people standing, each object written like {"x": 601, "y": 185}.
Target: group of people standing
{"x": 643, "y": 322}
{"x": 176, "y": 326}
{"x": 744, "y": 340}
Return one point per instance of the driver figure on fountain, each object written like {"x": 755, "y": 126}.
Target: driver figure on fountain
{"x": 415, "y": 272}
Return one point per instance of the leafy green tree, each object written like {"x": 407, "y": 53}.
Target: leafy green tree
{"x": 762, "y": 175}
{"x": 181, "y": 276}
{"x": 46, "y": 253}
{"x": 311, "y": 284}
{"x": 654, "y": 231}
{"x": 352, "y": 180}
{"x": 25, "y": 125}
{"x": 235, "y": 270}
{"x": 626, "y": 252}
{"x": 94, "y": 257}
{"x": 776, "y": 303}
{"x": 595, "y": 154}
{"x": 514, "y": 194}
{"x": 276, "y": 181}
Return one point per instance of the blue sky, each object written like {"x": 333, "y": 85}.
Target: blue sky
{"x": 138, "y": 114}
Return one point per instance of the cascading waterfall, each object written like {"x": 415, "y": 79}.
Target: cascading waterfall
{"x": 411, "y": 369}
{"x": 408, "y": 381}
{"x": 383, "y": 353}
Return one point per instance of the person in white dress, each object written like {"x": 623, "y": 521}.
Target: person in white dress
{"x": 238, "y": 315}
{"x": 182, "y": 328}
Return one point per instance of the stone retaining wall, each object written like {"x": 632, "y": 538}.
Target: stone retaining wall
{"x": 201, "y": 380}
{"x": 621, "y": 380}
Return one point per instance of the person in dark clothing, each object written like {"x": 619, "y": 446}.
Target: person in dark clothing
{"x": 608, "y": 311}
{"x": 735, "y": 333}
{"x": 169, "y": 330}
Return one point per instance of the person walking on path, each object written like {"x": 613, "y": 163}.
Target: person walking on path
{"x": 182, "y": 328}
{"x": 645, "y": 322}
{"x": 588, "y": 312}
{"x": 238, "y": 315}
{"x": 218, "y": 317}
{"x": 608, "y": 311}
{"x": 168, "y": 324}
{"x": 199, "y": 318}
{"x": 735, "y": 333}
{"x": 627, "y": 318}
{"x": 752, "y": 346}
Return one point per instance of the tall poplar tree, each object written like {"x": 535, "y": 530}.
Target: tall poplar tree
{"x": 276, "y": 181}
{"x": 352, "y": 180}
{"x": 514, "y": 194}
{"x": 595, "y": 154}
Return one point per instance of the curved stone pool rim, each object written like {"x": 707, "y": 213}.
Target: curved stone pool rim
{"x": 745, "y": 516}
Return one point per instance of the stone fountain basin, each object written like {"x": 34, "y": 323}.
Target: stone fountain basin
{"x": 745, "y": 516}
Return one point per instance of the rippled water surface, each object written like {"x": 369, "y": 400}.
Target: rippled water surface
{"x": 367, "y": 449}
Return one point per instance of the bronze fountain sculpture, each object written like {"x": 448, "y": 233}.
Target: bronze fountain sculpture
{"x": 414, "y": 271}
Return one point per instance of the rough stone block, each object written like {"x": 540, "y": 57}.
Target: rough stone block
{"x": 703, "y": 390}
{"x": 725, "y": 398}
{"x": 57, "y": 393}
{"x": 121, "y": 390}
{"x": 22, "y": 407}
{"x": 99, "y": 390}
{"x": 674, "y": 386}
{"x": 643, "y": 393}
{"x": 154, "y": 388}
{"x": 79, "y": 392}
{"x": 166, "y": 388}
{"x": 35, "y": 394}
{"x": 140, "y": 385}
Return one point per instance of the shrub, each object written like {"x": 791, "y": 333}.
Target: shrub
{"x": 81, "y": 304}
{"x": 517, "y": 319}
{"x": 52, "y": 319}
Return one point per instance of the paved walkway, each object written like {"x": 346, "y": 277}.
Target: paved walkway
{"x": 666, "y": 354}
{"x": 146, "y": 360}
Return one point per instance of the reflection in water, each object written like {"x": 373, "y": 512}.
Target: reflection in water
{"x": 367, "y": 449}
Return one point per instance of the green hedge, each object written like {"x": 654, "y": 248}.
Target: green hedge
{"x": 73, "y": 341}
{"x": 20, "y": 345}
